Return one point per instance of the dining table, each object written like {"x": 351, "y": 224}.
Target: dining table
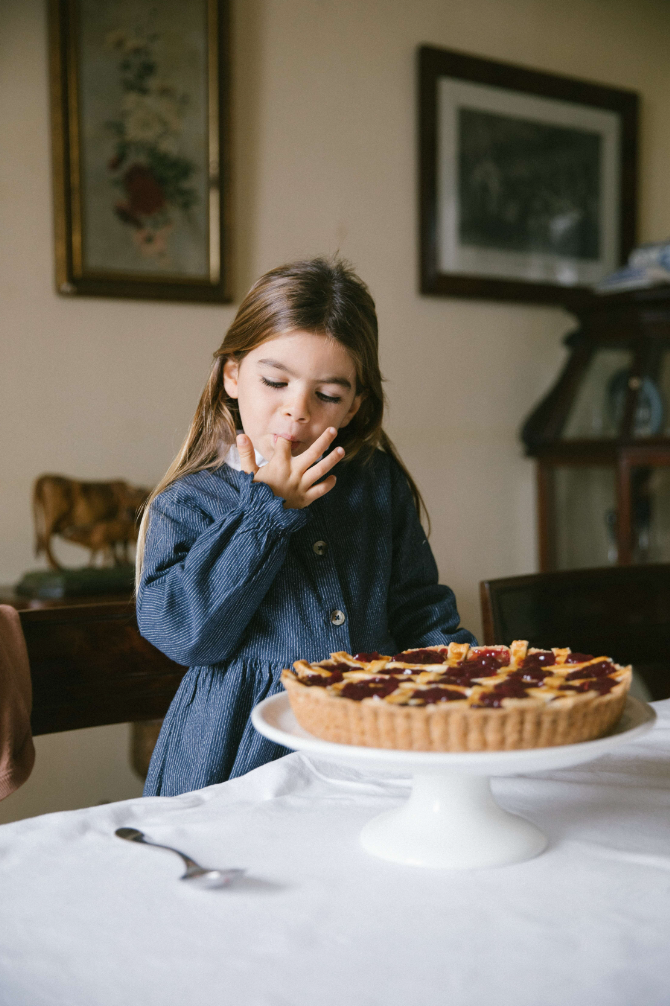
{"x": 90, "y": 920}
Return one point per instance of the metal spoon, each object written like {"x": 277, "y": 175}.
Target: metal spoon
{"x": 194, "y": 872}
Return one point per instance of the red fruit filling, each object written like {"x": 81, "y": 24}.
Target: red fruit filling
{"x": 436, "y": 694}
{"x": 600, "y": 685}
{"x": 509, "y": 689}
{"x": 422, "y": 657}
{"x": 542, "y": 658}
{"x": 322, "y": 679}
{"x": 456, "y": 678}
{"x": 599, "y": 670}
{"x": 359, "y": 690}
{"x": 485, "y": 664}
{"x": 502, "y": 656}
{"x": 398, "y": 672}
{"x": 531, "y": 675}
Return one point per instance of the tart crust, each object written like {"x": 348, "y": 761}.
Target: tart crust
{"x": 546, "y": 718}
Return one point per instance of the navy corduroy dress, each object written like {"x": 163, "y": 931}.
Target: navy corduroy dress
{"x": 236, "y": 587}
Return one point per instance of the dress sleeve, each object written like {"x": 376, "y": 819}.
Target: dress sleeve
{"x": 203, "y": 579}
{"x": 422, "y": 612}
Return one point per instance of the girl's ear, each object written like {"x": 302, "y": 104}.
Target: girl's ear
{"x": 355, "y": 406}
{"x": 231, "y": 369}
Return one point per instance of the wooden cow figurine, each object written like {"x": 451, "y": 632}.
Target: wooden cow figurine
{"x": 101, "y": 516}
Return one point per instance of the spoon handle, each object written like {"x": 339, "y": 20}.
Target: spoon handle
{"x": 190, "y": 863}
{"x": 135, "y": 835}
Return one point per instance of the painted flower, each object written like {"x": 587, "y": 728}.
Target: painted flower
{"x": 152, "y": 243}
{"x": 146, "y": 162}
{"x": 145, "y": 195}
{"x": 123, "y": 41}
{"x": 126, "y": 215}
{"x": 150, "y": 117}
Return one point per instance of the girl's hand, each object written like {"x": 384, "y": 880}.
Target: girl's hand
{"x": 293, "y": 478}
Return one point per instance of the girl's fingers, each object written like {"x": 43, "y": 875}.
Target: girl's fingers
{"x": 313, "y": 453}
{"x": 318, "y": 470}
{"x": 282, "y": 450}
{"x": 247, "y": 454}
{"x": 317, "y": 491}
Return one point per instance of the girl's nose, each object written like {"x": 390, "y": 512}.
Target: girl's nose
{"x": 297, "y": 407}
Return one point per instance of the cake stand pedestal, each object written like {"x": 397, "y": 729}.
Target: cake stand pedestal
{"x": 451, "y": 819}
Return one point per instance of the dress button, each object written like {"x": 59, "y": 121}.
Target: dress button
{"x": 338, "y": 617}
{"x": 320, "y": 547}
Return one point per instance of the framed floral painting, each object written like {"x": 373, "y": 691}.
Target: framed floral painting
{"x": 141, "y": 148}
{"x": 527, "y": 180}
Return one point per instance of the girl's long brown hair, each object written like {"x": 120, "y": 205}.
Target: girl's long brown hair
{"x": 326, "y": 298}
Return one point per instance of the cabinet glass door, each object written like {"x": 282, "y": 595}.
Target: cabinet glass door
{"x": 585, "y": 513}
{"x": 650, "y": 499}
{"x": 598, "y": 408}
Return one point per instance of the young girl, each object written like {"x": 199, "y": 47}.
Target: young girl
{"x": 253, "y": 553}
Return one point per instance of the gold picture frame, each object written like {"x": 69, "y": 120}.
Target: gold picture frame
{"x": 141, "y": 148}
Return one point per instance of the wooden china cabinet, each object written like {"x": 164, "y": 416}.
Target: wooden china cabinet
{"x": 601, "y": 437}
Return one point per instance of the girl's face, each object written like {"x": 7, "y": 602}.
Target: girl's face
{"x": 293, "y": 386}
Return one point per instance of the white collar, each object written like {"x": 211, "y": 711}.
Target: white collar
{"x": 232, "y": 458}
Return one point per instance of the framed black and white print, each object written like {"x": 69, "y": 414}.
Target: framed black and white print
{"x": 141, "y": 148}
{"x": 527, "y": 180}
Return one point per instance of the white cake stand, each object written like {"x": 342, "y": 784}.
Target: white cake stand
{"x": 451, "y": 819}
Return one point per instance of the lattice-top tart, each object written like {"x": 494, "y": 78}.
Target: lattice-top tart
{"x": 458, "y": 697}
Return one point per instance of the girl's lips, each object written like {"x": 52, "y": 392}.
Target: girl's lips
{"x": 285, "y": 436}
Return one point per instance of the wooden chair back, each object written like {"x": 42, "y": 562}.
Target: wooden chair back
{"x": 90, "y": 667}
{"x": 620, "y": 611}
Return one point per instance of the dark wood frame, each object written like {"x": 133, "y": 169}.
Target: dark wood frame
{"x": 435, "y": 63}
{"x": 71, "y": 277}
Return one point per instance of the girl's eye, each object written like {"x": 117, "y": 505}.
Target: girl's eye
{"x": 282, "y": 384}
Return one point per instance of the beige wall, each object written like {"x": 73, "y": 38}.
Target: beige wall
{"x": 325, "y": 160}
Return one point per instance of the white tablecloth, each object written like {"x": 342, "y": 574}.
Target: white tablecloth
{"x": 89, "y": 920}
